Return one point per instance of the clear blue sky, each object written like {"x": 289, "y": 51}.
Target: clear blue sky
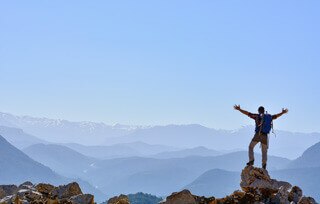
{"x": 161, "y": 62}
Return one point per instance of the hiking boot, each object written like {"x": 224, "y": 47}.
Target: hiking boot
{"x": 250, "y": 163}
{"x": 264, "y": 166}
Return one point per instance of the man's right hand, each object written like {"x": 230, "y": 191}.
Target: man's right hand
{"x": 236, "y": 107}
{"x": 284, "y": 110}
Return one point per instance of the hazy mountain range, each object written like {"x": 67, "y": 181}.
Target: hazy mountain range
{"x": 17, "y": 167}
{"x": 18, "y": 137}
{"x": 211, "y": 182}
{"x": 157, "y": 160}
{"x": 120, "y": 150}
{"x": 196, "y": 151}
{"x": 63, "y": 131}
{"x": 135, "y": 174}
{"x": 63, "y": 160}
{"x": 310, "y": 158}
{"x": 285, "y": 144}
{"x": 303, "y": 171}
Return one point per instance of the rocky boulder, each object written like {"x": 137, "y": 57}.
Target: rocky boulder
{"x": 25, "y": 185}
{"x": 257, "y": 187}
{"x": 6, "y": 190}
{"x": 44, "y": 193}
{"x": 82, "y": 198}
{"x": 295, "y": 194}
{"x": 67, "y": 191}
{"x": 185, "y": 197}
{"x": 122, "y": 199}
{"x": 257, "y": 178}
{"x": 307, "y": 200}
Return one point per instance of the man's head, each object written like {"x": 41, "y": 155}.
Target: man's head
{"x": 261, "y": 110}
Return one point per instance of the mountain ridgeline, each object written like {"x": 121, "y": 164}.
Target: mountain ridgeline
{"x": 17, "y": 167}
{"x": 154, "y": 160}
{"x": 285, "y": 144}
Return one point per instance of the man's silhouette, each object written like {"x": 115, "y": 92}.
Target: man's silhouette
{"x": 259, "y": 135}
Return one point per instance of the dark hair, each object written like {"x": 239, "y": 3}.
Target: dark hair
{"x": 261, "y": 109}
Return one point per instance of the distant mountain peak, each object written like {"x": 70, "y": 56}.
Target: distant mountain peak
{"x": 17, "y": 166}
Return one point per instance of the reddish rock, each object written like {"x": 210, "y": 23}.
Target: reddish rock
{"x": 67, "y": 191}
{"x": 122, "y": 199}
{"x": 182, "y": 197}
{"x": 45, "y": 189}
{"x": 258, "y": 178}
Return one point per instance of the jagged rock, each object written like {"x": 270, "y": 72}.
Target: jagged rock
{"x": 122, "y": 199}
{"x": 52, "y": 201}
{"x": 6, "y": 199}
{"x": 307, "y": 200}
{"x": 6, "y": 190}
{"x": 13, "y": 199}
{"x": 295, "y": 194}
{"x": 182, "y": 197}
{"x": 67, "y": 191}
{"x": 258, "y": 178}
{"x": 238, "y": 197}
{"x": 45, "y": 189}
{"x": 242, "y": 197}
{"x": 64, "y": 201}
{"x": 17, "y": 200}
{"x": 204, "y": 200}
{"x": 282, "y": 195}
{"x": 259, "y": 188}
{"x": 185, "y": 197}
{"x": 26, "y": 185}
{"x": 82, "y": 199}
{"x": 27, "y": 193}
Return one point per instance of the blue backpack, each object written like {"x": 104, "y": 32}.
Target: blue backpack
{"x": 266, "y": 124}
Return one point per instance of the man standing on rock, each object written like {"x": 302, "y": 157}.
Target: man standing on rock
{"x": 263, "y": 126}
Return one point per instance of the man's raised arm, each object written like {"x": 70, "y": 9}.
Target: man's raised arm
{"x": 284, "y": 111}
{"x": 237, "y": 107}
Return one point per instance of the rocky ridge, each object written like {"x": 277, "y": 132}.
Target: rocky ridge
{"x": 257, "y": 187}
{"x": 44, "y": 193}
{"x": 121, "y": 199}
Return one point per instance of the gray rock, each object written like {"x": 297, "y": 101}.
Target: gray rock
{"x": 82, "y": 199}
{"x": 307, "y": 200}
{"x": 7, "y": 190}
{"x": 27, "y": 193}
{"x": 295, "y": 194}
{"x": 282, "y": 195}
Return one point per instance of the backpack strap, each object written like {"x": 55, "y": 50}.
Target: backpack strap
{"x": 261, "y": 123}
